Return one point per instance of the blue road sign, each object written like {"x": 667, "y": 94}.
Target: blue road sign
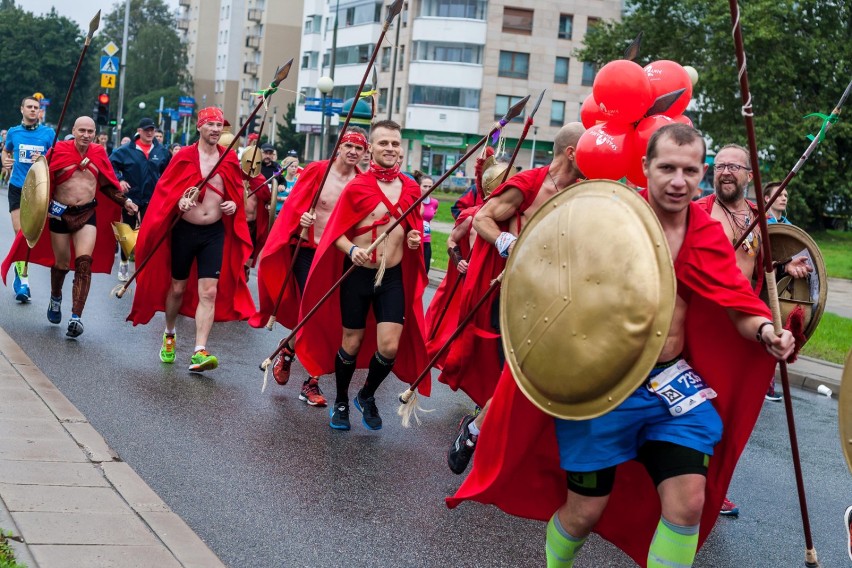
{"x": 109, "y": 65}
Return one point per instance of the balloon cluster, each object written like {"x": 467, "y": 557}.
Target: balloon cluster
{"x": 617, "y": 120}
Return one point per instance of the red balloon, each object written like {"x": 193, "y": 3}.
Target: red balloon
{"x": 666, "y": 76}
{"x": 644, "y": 130}
{"x": 622, "y": 91}
{"x": 683, "y": 119}
{"x": 604, "y": 151}
{"x": 590, "y": 112}
{"x": 635, "y": 173}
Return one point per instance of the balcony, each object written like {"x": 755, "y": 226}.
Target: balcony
{"x": 183, "y": 24}
{"x": 250, "y": 68}
{"x": 439, "y": 73}
{"x": 255, "y": 15}
{"x": 245, "y": 94}
{"x": 427, "y": 29}
{"x": 253, "y": 41}
{"x": 184, "y": 3}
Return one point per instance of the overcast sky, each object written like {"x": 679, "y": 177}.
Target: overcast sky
{"x": 82, "y": 11}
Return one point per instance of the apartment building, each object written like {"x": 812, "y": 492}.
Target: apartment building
{"x": 448, "y": 69}
{"x": 235, "y": 47}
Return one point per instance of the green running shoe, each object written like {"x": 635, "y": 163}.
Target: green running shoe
{"x": 203, "y": 361}
{"x": 167, "y": 352}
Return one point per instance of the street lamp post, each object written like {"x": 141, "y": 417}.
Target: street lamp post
{"x": 325, "y": 85}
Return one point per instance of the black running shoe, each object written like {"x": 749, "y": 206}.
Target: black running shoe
{"x": 367, "y": 407}
{"x": 339, "y": 416}
{"x": 462, "y": 449}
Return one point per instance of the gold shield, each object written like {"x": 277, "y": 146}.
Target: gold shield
{"x": 844, "y": 411}
{"x": 587, "y": 300}
{"x": 225, "y": 139}
{"x": 126, "y": 236}
{"x": 788, "y": 241}
{"x": 251, "y": 160}
{"x": 35, "y": 198}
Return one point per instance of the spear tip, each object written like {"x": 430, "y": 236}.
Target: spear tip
{"x": 94, "y": 25}
{"x": 516, "y": 109}
{"x": 663, "y": 102}
{"x": 282, "y": 73}
{"x": 393, "y": 10}
{"x": 632, "y": 51}
{"x": 537, "y": 103}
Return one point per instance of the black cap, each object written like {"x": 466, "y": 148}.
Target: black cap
{"x": 267, "y": 147}
{"x": 146, "y": 123}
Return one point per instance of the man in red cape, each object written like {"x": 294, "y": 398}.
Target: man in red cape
{"x": 518, "y": 465}
{"x": 197, "y": 249}
{"x": 391, "y": 280}
{"x": 474, "y": 362}
{"x": 277, "y": 256}
{"x": 77, "y": 223}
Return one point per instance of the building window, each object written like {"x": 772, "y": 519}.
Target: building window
{"x": 504, "y": 102}
{"x": 313, "y": 24}
{"x": 560, "y": 73}
{"x": 397, "y": 100}
{"x": 589, "y": 71}
{"x": 325, "y": 57}
{"x": 401, "y": 57}
{"x": 469, "y": 9}
{"x": 353, "y": 54}
{"x": 517, "y": 21}
{"x": 444, "y": 96}
{"x": 383, "y": 100}
{"x": 557, "y": 113}
{"x": 448, "y": 52}
{"x": 514, "y": 65}
{"x": 592, "y": 23}
{"x": 364, "y": 14}
{"x": 566, "y": 25}
{"x": 386, "y": 58}
{"x": 310, "y": 60}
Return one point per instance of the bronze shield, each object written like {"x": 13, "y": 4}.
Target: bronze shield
{"x": 844, "y": 411}
{"x": 35, "y": 198}
{"x": 788, "y": 241}
{"x": 251, "y": 160}
{"x": 587, "y": 300}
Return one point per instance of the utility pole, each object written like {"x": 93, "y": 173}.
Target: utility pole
{"x": 119, "y": 119}
{"x": 393, "y": 68}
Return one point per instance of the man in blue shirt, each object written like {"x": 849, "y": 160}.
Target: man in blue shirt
{"x": 24, "y": 143}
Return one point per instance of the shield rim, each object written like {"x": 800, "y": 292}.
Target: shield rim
{"x": 819, "y": 265}
{"x": 35, "y": 199}
{"x": 657, "y": 338}
{"x": 844, "y": 411}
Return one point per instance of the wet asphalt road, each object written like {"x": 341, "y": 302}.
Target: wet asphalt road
{"x": 266, "y": 483}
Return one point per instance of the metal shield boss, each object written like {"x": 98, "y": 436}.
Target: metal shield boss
{"x": 587, "y": 300}
{"x": 35, "y": 199}
{"x": 844, "y": 411}
{"x": 251, "y": 160}
{"x": 789, "y": 241}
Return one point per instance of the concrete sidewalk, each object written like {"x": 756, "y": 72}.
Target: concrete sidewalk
{"x": 67, "y": 498}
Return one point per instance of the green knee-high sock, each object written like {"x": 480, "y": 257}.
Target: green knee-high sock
{"x": 673, "y": 546}
{"x": 19, "y": 267}
{"x": 562, "y": 548}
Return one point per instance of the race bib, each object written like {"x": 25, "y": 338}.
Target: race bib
{"x": 56, "y": 209}
{"x": 427, "y": 228}
{"x": 680, "y": 388}
{"x": 27, "y": 153}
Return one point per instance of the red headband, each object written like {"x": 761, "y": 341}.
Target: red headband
{"x": 354, "y": 138}
{"x": 209, "y": 114}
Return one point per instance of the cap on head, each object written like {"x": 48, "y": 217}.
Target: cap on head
{"x": 146, "y": 123}
{"x": 252, "y": 137}
{"x": 267, "y": 147}
{"x": 289, "y": 161}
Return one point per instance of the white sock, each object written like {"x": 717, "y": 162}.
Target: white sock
{"x": 473, "y": 429}
{"x": 170, "y": 331}
{"x": 198, "y": 348}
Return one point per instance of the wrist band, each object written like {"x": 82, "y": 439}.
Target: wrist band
{"x": 760, "y": 330}
{"x": 352, "y": 249}
{"x": 503, "y": 242}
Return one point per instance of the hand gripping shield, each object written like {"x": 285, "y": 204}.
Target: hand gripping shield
{"x": 35, "y": 199}
{"x": 811, "y": 293}
{"x": 587, "y": 300}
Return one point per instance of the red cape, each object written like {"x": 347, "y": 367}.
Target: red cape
{"x": 318, "y": 341}
{"x": 233, "y": 299}
{"x": 275, "y": 258}
{"x": 442, "y": 302}
{"x": 62, "y": 155}
{"x": 264, "y": 196}
{"x": 517, "y": 460}
{"x": 472, "y": 363}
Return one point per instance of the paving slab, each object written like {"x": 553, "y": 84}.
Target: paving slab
{"x": 23, "y": 404}
{"x": 189, "y": 549}
{"x": 41, "y": 450}
{"x": 92, "y": 443}
{"x": 132, "y": 488}
{"x": 62, "y": 556}
{"x": 51, "y": 473}
{"x": 32, "y": 429}
{"x": 59, "y": 499}
{"x": 83, "y": 528}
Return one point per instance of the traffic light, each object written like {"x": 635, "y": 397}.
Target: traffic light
{"x": 102, "y": 112}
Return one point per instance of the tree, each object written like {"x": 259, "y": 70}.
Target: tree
{"x": 40, "y": 53}
{"x": 287, "y": 138}
{"x": 799, "y": 56}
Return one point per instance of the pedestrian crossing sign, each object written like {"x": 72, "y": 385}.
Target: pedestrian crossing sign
{"x": 109, "y": 65}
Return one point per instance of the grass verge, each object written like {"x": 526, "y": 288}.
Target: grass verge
{"x": 7, "y": 556}
{"x": 439, "y": 250}
{"x": 836, "y": 248}
{"x": 830, "y": 341}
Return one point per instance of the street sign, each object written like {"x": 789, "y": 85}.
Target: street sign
{"x": 110, "y": 49}
{"x": 109, "y": 65}
{"x": 45, "y": 103}
{"x": 185, "y": 106}
{"x": 107, "y": 81}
